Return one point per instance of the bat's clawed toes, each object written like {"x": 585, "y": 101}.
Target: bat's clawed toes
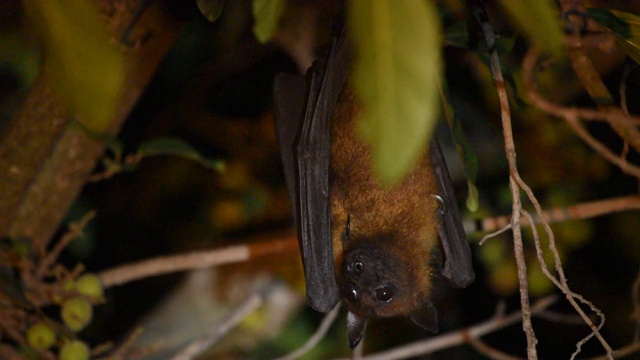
{"x": 426, "y": 316}
{"x": 442, "y": 205}
{"x": 355, "y": 329}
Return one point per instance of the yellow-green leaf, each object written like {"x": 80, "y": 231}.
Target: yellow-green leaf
{"x": 538, "y": 19}
{"x": 469, "y": 159}
{"x": 473, "y": 198}
{"x": 177, "y": 147}
{"x": 266, "y": 17}
{"x": 211, "y": 9}
{"x": 625, "y": 26}
{"x": 397, "y": 68}
{"x": 84, "y": 68}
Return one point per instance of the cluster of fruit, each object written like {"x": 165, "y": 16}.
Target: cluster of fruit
{"x": 76, "y": 311}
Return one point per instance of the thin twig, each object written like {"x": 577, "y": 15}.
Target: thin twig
{"x": 572, "y": 115}
{"x": 459, "y": 337}
{"x": 564, "y": 287}
{"x": 578, "y": 211}
{"x": 494, "y": 234}
{"x": 625, "y": 351}
{"x": 510, "y": 151}
{"x": 572, "y": 119}
{"x": 489, "y": 351}
{"x": 240, "y": 313}
{"x": 195, "y": 260}
{"x": 320, "y": 333}
{"x": 75, "y": 230}
{"x": 121, "y": 351}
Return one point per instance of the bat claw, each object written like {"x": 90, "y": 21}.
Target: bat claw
{"x": 443, "y": 205}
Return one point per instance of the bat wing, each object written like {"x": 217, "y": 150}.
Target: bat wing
{"x": 457, "y": 263}
{"x": 289, "y": 91}
{"x": 306, "y": 155}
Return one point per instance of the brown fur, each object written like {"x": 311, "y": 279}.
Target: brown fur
{"x": 399, "y": 222}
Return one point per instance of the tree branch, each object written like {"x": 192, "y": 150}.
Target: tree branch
{"x": 199, "y": 346}
{"x": 510, "y": 151}
{"x": 571, "y": 115}
{"x": 44, "y": 161}
{"x": 196, "y": 260}
{"x": 320, "y": 333}
{"x": 589, "y": 77}
{"x": 585, "y": 210}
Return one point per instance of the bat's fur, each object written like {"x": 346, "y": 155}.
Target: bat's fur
{"x": 393, "y": 230}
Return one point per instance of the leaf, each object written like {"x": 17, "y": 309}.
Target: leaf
{"x": 625, "y": 26}
{"x": 211, "y": 9}
{"x": 538, "y": 19}
{"x": 473, "y": 198}
{"x": 397, "y": 67}
{"x": 85, "y": 70}
{"x": 266, "y": 17}
{"x": 469, "y": 159}
{"x": 177, "y": 147}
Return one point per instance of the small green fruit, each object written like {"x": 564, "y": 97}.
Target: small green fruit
{"x": 68, "y": 285}
{"x": 40, "y": 336}
{"x": 76, "y": 313}
{"x": 91, "y": 286}
{"x": 74, "y": 350}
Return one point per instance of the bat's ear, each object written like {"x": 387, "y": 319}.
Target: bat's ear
{"x": 426, "y": 316}
{"x": 355, "y": 329}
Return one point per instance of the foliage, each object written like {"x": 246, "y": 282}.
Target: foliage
{"x": 625, "y": 26}
{"x": 78, "y": 49}
{"x": 396, "y": 73}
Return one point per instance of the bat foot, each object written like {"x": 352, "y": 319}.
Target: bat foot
{"x": 426, "y": 316}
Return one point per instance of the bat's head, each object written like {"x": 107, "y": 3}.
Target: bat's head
{"x": 379, "y": 278}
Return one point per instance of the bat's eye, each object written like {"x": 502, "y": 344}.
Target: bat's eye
{"x": 384, "y": 294}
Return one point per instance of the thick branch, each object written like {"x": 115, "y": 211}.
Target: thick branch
{"x": 44, "y": 161}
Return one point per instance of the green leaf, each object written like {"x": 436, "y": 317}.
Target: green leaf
{"x": 266, "y": 17}
{"x": 397, "y": 67}
{"x": 84, "y": 68}
{"x": 469, "y": 159}
{"x": 211, "y": 9}
{"x": 625, "y": 26}
{"x": 177, "y": 147}
{"x": 538, "y": 19}
{"x": 473, "y": 198}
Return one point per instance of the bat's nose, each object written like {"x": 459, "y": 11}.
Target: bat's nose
{"x": 356, "y": 267}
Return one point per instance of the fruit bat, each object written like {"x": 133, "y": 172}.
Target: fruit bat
{"x": 369, "y": 244}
